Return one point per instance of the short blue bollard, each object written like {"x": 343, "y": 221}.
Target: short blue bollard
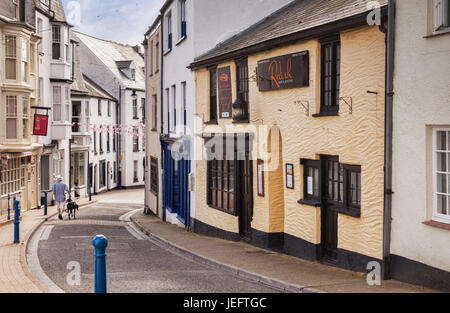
{"x": 45, "y": 203}
{"x": 9, "y": 209}
{"x": 16, "y": 222}
{"x": 90, "y": 192}
{"x": 100, "y": 243}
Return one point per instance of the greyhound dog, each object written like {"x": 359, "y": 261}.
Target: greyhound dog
{"x": 71, "y": 208}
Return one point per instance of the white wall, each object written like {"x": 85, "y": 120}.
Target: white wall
{"x": 421, "y": 100}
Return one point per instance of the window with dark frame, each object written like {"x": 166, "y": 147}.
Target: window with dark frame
{"x": 213, "y": 94}
{"x": 311, "y": 181}
{"x": 135, "y": 143}
{"x": 182, "y": 18}
{"x": 330, "y": 74}
{"x": 352, "y": 183}
{"x": 242, "y": 84}
{"x": 154, "y": 175}
{"x": 155, "y": 112}
{"x": 344, "y": 185}
{"x": 221, "y": 178}
{"x": 99, "y": 107}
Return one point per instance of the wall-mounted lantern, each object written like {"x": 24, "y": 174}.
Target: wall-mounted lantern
{"x": 239, "y": 112}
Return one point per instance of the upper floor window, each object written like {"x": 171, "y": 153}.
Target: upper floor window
{"x": 24, "y": 63}
{"x": 11, "y": 57}
{"x": 11, "y": 117}
{"x": 135, "y": 109}
{"x": 182, "y": 18}
{"x": 57, "y": 100}
{"x": 441, "y": 174}
{"x": 56, "y": 42}
{"x": 151, "y": 57}
{"x": 109, "y": 108}
{"x": 242, "y": 91}
{"x": 330, "y": 74}
{"x": 143, "y": 108}
{"x": 136, "y": 143}
{"x": 169, "y": 31}
{"x": 213, "y": 94}
{"x": 157, "y": 55}
{"x": 155, "y": 112}
{"x": 441, "y": 14}
{"x": 99, "y": 108}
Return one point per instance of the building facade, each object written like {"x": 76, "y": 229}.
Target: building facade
{"x": 54, "y": 80}
{"x": 19, "y": 149}
{"x": 421, "y": 144}
{"x": 188, "y": 29}
{"x": 153, "y": 118}
{"x": 291, "y": 132}
{"x": 118, "y": 69}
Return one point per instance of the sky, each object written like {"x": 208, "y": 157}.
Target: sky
{"x": 124, "y": 21}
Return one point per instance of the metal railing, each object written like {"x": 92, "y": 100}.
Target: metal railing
{"x": 11, "y": 198}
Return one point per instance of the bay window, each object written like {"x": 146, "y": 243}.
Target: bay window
{"x": 11, "y": 117}
{"x": 26, "y": 117}
{"x": 11, "y": 177}
{"x": 56, "y": 42}
{"x": 67, "y": 103}
{"x": 24, "y": 70}
{"x": 441, "y": 175}
{"x": 11, "y": 57}
{"x": 57, "y": 109}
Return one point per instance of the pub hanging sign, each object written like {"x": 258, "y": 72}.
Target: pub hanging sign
{"x": 40, "y": 125}
{"x": 284, "y": 72}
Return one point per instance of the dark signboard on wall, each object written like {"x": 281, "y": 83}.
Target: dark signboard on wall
{"x": 283, "y": 72}
{"x": 40, "y": 125}
{"x": 225, "y": 95}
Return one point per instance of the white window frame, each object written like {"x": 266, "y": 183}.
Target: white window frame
{"x": 13, "y": 115}
{"x": 438, "y": 217}
{"x": 441, "y": 16}
{"x": 57, "y": 102}
{"x": 10, "y": 56}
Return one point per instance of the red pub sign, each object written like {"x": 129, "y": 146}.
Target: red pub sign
{"x": 40, "y": 125}
{"x": 225, "y": 96}
{"x": 283, "y": 72}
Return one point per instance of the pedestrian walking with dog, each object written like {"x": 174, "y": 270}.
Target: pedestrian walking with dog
{"x": 59, "y": 191}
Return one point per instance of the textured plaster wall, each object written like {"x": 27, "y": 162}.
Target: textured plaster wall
{"x": 421, "y": 101}
{"x": 356, "y": 138}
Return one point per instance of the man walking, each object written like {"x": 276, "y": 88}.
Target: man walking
{"x": 59, "y": 192}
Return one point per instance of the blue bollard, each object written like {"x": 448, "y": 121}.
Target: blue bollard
{"x": 100, "y": 243}
{"x": 90, "y": 193}
{"x": 16, "y": 221}
{"x": 45, "y": 203}
{"x": 9, "y": 209}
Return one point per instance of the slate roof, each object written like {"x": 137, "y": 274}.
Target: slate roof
{"x": 297, "y": 16}
{"x": 55, "y": 6}
{"x": 113, "y": 53}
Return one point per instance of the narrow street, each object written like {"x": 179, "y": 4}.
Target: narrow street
{"x": 134, "y": 262}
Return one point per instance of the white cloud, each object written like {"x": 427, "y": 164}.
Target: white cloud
{"x": 123, "y": 21}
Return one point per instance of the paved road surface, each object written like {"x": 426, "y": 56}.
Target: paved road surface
{"x": 134, "y": 263}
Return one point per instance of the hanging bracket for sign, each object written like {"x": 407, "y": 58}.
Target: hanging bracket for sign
{"x": 349, "y": 102}
{"x": 304, "y": 105}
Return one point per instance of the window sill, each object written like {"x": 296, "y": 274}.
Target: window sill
{"x": 211, "y": 123}
{"x": 326, "y": 114}
{"x": 221, "y": 210}
{"x": 167, "y": 52}
{"x": 350, "y": 212}
{"x": 310, "y": 202}
{"x": 437, "y": 224}
{"x": 135, "y": 118}
{"x": 438, "y": 33}
{"x": 181, "y": 40}
{"x": 241, "y": 122}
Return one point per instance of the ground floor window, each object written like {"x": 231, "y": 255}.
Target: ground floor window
{"x": 102, "y": 180}
{"x": 154, "y": 175}
{"x": 12, "y": 177}
{"x": 441, "y": 175}
{"x": 337, "y": 183}
{"x": 45, "y": 172}
{"x": 78, "y": 167}
{"x": 135, "y": 171}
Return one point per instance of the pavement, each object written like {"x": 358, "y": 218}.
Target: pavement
{"x": 269, "y": 268}
{"x": 15, "y": 276}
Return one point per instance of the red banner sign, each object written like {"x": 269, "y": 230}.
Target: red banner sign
{"x": 40, "y": 125}
{"x": 225, "y": 97}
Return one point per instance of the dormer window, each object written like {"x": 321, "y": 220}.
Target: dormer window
{"x": 127, "y": 68}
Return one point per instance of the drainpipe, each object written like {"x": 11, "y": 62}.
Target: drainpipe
{"x": 388, "y": 140}
{"x": 146, "y": 188}
{"x": 161, "y": 112}
{"x": 119, "y": 147}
